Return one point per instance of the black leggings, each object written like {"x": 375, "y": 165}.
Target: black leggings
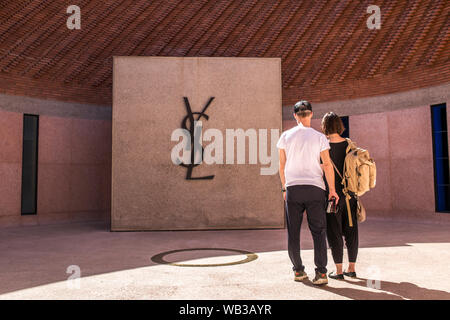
{"x": 338, "y": 227}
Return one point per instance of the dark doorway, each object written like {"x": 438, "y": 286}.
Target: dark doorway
{"x": 440, "y": 157}
{"x": 29, "y": 164}
{"x": 345, "y": 121}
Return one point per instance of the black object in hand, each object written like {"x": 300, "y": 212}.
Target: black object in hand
{"x": 331, "y": 206}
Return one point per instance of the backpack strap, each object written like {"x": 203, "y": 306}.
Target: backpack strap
{"x": 335, "y": 168}
{"x": 347, "y": 200}
{"x": 351, "y": 145}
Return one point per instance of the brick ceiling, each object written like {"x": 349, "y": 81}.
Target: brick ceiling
{"x": 327, "y": 51}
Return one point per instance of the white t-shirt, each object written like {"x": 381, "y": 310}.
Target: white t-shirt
{"x": 303, "y": 146}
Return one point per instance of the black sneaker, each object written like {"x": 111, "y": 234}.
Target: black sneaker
{"x": 300, "y": 275}
{"x": 350, "y": 274}
{"x": 334, "y": 275}
{"x": 321, "y": 278}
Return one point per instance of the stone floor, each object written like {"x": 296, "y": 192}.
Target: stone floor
{"x": 396, "y": 261}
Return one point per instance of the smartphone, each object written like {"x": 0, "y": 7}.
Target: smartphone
{"x": 331, "y": 206}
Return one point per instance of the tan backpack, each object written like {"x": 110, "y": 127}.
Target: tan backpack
{"x": 359, "y": 177}
{"x": 359, "y": 170}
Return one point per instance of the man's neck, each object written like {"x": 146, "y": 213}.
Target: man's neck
{"x": 306, "y": 122}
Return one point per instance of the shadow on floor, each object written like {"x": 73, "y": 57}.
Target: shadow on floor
{"x": 407, "y": 290}
{"x": 38, "y": 255}
{"x": 355, "y": 294}
{"x": 387, "y": 291}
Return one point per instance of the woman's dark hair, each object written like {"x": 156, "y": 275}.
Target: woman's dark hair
{"x": 332, "y": 123}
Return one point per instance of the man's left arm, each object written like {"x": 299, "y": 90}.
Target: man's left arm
{"x": 329, "y": 173}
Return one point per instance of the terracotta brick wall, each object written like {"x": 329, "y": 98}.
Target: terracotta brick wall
{"x": 327, "y": 51}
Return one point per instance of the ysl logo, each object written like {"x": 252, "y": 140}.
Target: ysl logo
{"x": 190, "y": 117}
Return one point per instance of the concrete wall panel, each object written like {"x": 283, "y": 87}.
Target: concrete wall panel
{"x": 410, "y": 134}
{"x": 411, "y": 152}
{"x": 379, "y": 199}
{"x": 10, "y": 137}
{"x": 10, "y": 188}
{"x": 55, "y": 140}
{"x": 91, "y": 141}
{"x": 401, "y": 144}
{"x": 54, "y": 188}
{"x": 371, "y": 132}
{"x": 86, "y": 185}
{"x": 149, "y": 191}
{"x": 412, "y": 185}
{"x": 74, "y": 167}
{"x": 10, "y": 166}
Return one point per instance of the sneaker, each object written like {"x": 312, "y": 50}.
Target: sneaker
{"x": 300, "y": 275}
{"x": 350, "y": 274}
{"x": 334, "y": 275}
{"x": 321, "y": 278}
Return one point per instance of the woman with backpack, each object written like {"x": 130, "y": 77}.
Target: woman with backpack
{"x": 339, "y": 225}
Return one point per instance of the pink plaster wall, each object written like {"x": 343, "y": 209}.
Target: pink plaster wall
{"x": 370, "y": 131}
{"x": 401, "y": 144}
{"x": 10, "y": 167}
{"x": 75, "y": 163}
{"x": 74, "y": 170}
{"x": 411, "y": 151}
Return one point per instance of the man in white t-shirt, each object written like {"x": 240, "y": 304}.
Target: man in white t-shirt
{"x": 300, "y": 151}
